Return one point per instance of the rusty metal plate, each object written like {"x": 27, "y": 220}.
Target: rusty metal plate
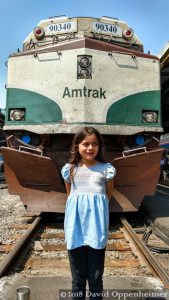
{"x": 137, "y": 176}
{"x": 35, "y": 179}
{"x": 33, "y": 171}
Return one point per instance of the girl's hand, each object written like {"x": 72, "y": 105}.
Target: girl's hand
{"x": 109, "y": 188}
{"x": 68, "y": 186}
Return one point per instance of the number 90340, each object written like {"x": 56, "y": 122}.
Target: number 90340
{"x": 106, "y": 28}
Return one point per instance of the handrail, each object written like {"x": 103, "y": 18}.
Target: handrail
{"x": 28, "y": 148}
{"x": 134, "y": 150}
{"x": 120, "y": 52}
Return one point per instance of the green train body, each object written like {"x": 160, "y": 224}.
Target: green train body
{"x": 75, "y": 72}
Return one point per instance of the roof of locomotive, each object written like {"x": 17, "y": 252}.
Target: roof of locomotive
{"x": 164, "y": 55}
{"x": 61, "y": 28}
{"x": 2, "y": 117}
{"x": 164, "y": 65}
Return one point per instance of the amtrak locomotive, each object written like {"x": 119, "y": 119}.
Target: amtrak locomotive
{"x": 74, "y": 72}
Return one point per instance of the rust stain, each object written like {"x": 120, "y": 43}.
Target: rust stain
{"x": 6, "y": 248}
{"x": 118, "y": 247}
{"x": 17, "y": 236}
{"x": 42, "y": 263}
{"x": 119, "y": 263}
{"x": 118, "y": 235}
{"x": 19, "y": 226}
{"x": 35, "y": 263}
{"x": 60, "y": 247}
{"x": 52, "y": 235}
{"x": 54, "y": 225}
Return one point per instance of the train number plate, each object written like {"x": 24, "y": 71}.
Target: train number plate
{"x": 106, "y": 28}
{"x": 60, "y": 28}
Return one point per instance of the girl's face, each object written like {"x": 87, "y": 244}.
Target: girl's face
{"x": 88, "y": 148}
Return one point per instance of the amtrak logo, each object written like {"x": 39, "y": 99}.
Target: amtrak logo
{"x": 84, "y": 93}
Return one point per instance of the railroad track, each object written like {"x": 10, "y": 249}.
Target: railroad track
{"x": 38, "y": 248}
{"x": 14, "y": 249}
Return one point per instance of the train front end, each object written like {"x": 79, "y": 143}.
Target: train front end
{"x": 74, "y": 72}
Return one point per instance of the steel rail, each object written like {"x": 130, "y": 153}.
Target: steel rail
{"x": 161, "y": 273}
{"x": 163, "y": 186}
{"x": 163, "y": 189}
{"x": 16, "y": 249}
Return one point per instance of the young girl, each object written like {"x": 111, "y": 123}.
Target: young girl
{"x": 89, "y": 185}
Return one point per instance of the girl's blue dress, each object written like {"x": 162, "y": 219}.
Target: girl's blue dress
{"x": 87, "y": 207}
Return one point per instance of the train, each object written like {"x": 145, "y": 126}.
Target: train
{"x": 76, "y": 72}
{"x": 164, "y": 68}
{"x": 164, "y": 139}
{"x": 2, "y": 142}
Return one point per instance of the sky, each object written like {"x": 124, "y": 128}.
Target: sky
{"x": 148, "y": 18}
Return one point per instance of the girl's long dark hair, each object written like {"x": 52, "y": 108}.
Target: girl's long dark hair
{"x": 81, "y": 134}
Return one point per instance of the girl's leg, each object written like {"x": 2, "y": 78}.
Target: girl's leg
{"x": 78, "y": 266}
{"x": 95, "y": 272}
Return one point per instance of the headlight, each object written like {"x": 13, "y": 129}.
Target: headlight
{"x": 84, "y": 62}
{"x": 84, "y": 66}
{"x": 150, "y": 117}
{"x": 128, "y": 33}
{"x": 39, "y": 33}
{"x": 17, "y": 115}
{"x": 84, "y": 73}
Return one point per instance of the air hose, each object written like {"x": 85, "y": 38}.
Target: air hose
{"x": 159, "y": 234}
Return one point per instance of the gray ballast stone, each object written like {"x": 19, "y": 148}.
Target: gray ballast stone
{"x": 157, "y": 208}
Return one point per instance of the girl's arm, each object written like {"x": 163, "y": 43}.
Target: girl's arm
{"x": 68, "y": 186}
{"x": 109, "y": 188}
